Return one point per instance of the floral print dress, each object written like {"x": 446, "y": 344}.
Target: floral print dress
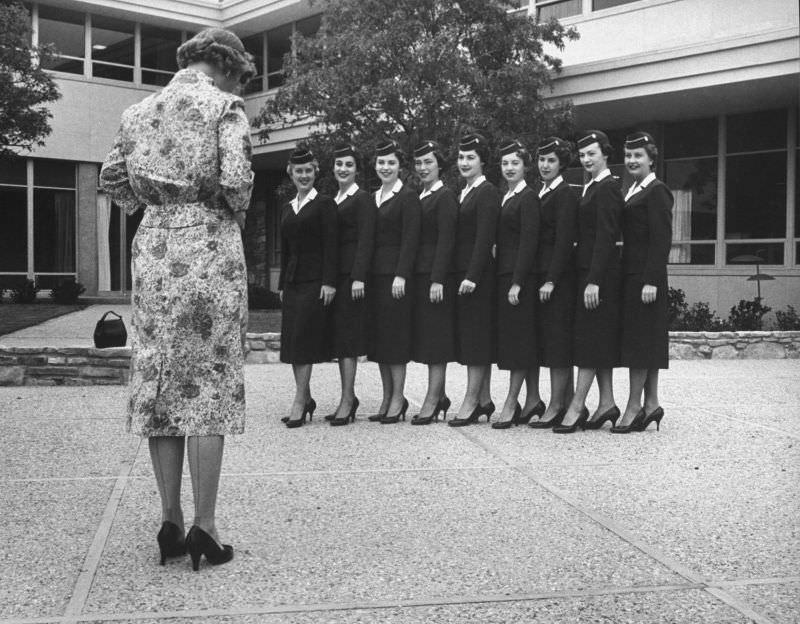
{"x": 183, "y": 156}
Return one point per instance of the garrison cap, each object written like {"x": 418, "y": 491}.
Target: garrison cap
{"x": 426, "y": 147}
{"x": 593, "y": 136}
{"x": 511, "y": 147}
{"x": 344, "y": 149}
{"x": 301, "y": 156}
{"x": 550, "y": 145}
{"x": 638, "y": 139}
{"x": 386, "y": 148}
{"x": 471, "y": 142}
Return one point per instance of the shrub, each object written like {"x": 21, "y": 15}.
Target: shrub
{"x": 677, "y": 306}
{"x": 67, "y": 291}
{"x": 261, "y": 298}
{"x": 25, "y": 293}
{"x": 789, "y": 320}
{"x": 700, "y": 317}
{"x": 747, "y": 315}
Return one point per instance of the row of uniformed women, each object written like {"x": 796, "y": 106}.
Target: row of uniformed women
{"x": 417, "y": 279}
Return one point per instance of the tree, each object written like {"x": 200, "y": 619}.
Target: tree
{"x": 24, "y": 85}
{"x": 421, "y": 69}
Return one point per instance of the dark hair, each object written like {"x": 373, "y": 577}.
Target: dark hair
{"x": 523, "y": 154}
{"x": 401, "y": 157}
{"x": 221, "y": 48}
{"x": 438, "y": 154}
{"x": 481, "y": 149}
{"x": 652, "y": 151}
{"x": 565, "y": 156}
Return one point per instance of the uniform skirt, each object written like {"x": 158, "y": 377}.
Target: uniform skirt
{"x": 390, "y": 321}
{"x": 516, "y": 329}
{"x": 475, "y": 321}
{"x": 349, "y": 323}
{"x": 645, "y": 327}
{"x": 305, "y": 327}
{"x": 554, "y": 322}
{"x": 597, "y": 332}
{"x": 434, "y": 336}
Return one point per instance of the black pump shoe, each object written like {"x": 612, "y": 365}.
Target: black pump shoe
{"x": 610, "y": 415}
{"x": 634, "y": 425}
{"x": 390, "y": 420}
{"x": 549, "y": 424}
{"x": 479, "y": 411}
{"x": 580, "y": 422}
{"x": 655, "y": 416}
{"x": 349, "y": 417}
{"x": 171, "y": 542}
{"x": 308, "y": 408}
{"x": 538, "y": 410}
{"x": 513, "y": 422}
{"x": 199, "y": 543}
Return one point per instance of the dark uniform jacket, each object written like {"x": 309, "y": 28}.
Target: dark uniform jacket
{"x": 397, "y": 234}
{"x": 438, "y": 234}
{"x": 309, "y": 243}
{"x": 518, "y": 235}
{"x": 647, "y": 232}
{"x": 599, "y": 229}
{"x": 475, "y": 232}
{"x": 356, "y": 218}
{"x": 558, "y": 231}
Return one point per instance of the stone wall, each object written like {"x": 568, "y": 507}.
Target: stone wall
{"x": 84, "y": 366}
{"x": 734, "y": 345}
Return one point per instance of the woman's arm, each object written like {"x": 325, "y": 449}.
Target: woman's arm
{"x": 365, "y": 218}
{"x": 114, "y": 174}
{"x": 235, "y": 171}
{"x": 487, "y": 210}
{"x": 566, "y": 234}
{"x": 528, "y": 238}
{"x": 447, "y": 213}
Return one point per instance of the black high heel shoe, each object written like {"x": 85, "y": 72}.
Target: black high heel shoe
{"x": 634, "y": 425}
{"x": 199, "y": 543}
{"x": 537, "y": 410}
{"x": 377, "y": 417}
{"x": 390, "y": 420}
{"x": 610, "y": 415}
{"x": 308, "y": 408}
{"x": 479, "y": 411}
{"x": 507, "y": 424}
{"x": 580, "y": 422}
{"x": 171, "y": 542}
{"x": 442, "y": 405}
{"x": 549, "y": 424}
{"x": 350, "y": 417}
{"x": 655, "y": 416}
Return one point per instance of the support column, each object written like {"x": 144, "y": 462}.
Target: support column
{"x": 87, "y": 227}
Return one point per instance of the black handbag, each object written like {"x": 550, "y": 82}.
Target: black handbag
{"x": 110, "y": 332}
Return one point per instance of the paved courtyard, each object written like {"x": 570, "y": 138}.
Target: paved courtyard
{"x": 375, "y": 523}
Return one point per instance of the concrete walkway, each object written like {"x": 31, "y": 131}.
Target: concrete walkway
{"x": 70, "y": 330}
{"x": 696, "y": 523}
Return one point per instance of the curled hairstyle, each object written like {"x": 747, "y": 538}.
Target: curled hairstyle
{"x": 220, "y": 48}
{"x": 565, "y": 156}
{"x": 523, "y": 154}
{"x": 314, "y": 163}
{"x": 438, "y": 154}
{"x": 652, "y": 151}
{"x": 396, "y": 152}
{"x": 482, "y": 149}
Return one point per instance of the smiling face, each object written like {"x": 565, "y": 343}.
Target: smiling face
{"x": 593, "y": 159}
{"x": 427, "y": 168}
{"x": 388, "y": 169}
{"x": 549, "y": 166}
{"x": 513, "y": 169}
{"x": 470, "y": 165}
{"x": 303, "y": 177}
{"x": 638, "y": 163}
{"x": 344, "y": 168}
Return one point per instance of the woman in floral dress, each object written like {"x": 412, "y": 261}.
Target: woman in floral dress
{"x": 183, "y": 156}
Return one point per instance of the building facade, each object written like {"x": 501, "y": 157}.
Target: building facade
{"x": 715, "y": 81}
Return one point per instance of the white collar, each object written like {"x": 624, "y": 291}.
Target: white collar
{"x": 601, "y": 176}
{"x": 311, "y": 195}
{"x": 517, "y": 189}
{"x": 349, "y": 192}
{"x": 434, "y": 187}
{"x": 395, "y": 190}
{"x": 476, "y": 182}
{"x": 549, "y": 187}
{"x": 638, "y": 186}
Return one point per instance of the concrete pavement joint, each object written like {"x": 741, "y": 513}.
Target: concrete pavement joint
{"x": 668, "y": 562}
{"x": 83, "y": 584}
{"x": 751, "y": 422}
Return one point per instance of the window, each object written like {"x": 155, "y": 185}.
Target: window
{"x": 756, "y": 186}
{"x": 13, "y": 234}
{"x": 112, "y": 48}
{"x": 279, "y": 44}
{"x": 65, "y": 30}
{"x": 598, "y": 5}
{"x": 547, "y": 9}
{"x": 159, "y": 47}
{"x": 53, "y": 217}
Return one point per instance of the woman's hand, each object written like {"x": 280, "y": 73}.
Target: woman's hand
{"x": 399, "y": 287}
{"x": 649, "y": 293}
{"x": 513, "y": 294}
{"x": 546, "y": 291}
{"x": 240, "y": 218}
{"x": 437, "y": 292}
{"x": 357, "y": 290}
{"x": 591, "y": 296}
{"x": 327, "y": 293}
{"x": 467, "y": 287}
{"x": 280, "y": 296}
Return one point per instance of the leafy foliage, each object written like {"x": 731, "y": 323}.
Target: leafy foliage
{"x": 67, "y": 291}
{"x": 788, "y": 320}
{"x": 421, "y": 69}
{"x": 24, "y": 85}
{"x": 747, "y": 315}
{"x": 25, "y": 293}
